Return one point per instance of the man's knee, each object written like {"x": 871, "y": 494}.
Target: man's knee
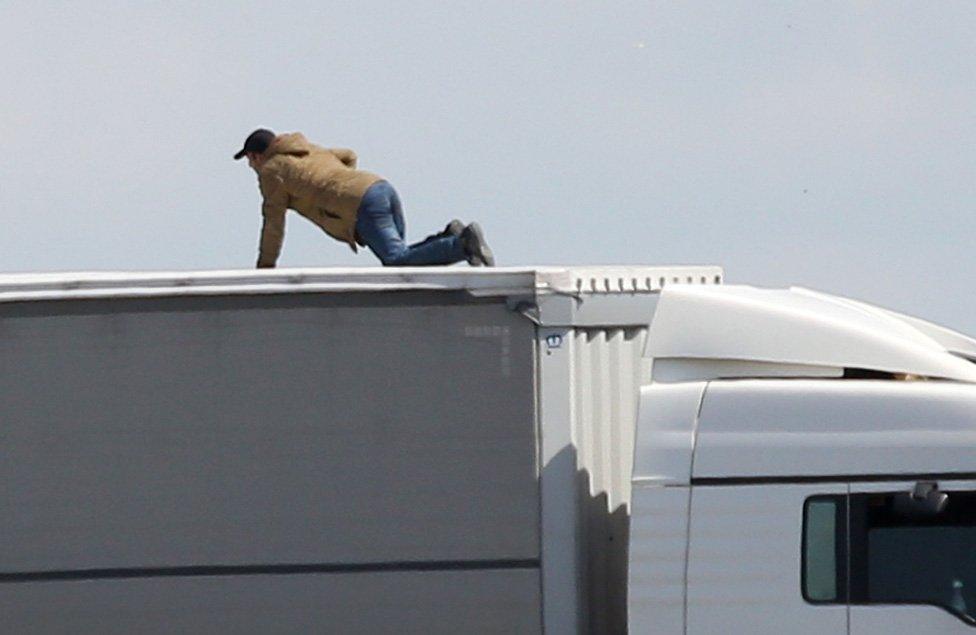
{"x": 395, "y": 257}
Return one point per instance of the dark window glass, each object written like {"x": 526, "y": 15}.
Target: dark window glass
{"x": 903, "y": 552}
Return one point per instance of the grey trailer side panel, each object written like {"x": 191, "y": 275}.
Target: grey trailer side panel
{"x": 447, "y": 602}
{"x": 267, "y": 430}
{"x": 347, "y": 450}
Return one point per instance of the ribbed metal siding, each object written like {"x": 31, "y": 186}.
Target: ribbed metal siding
{"x": 608, "y": 370}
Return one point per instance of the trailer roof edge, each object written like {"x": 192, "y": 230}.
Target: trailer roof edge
{"x": 499, "y": 281}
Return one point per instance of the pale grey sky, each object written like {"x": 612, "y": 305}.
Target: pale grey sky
{"x": 824, "y": 144}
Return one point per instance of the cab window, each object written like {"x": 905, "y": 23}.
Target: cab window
{"x": 914, "y": 547}
{"x": 905, "y": 549}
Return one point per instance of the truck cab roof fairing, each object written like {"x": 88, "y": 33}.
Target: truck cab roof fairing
{"x": 739, "y": 331}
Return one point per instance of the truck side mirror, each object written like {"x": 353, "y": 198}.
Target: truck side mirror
{"x": 924, "y": 501}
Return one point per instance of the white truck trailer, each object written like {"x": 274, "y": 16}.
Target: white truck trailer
{"x": 453, "y": 451}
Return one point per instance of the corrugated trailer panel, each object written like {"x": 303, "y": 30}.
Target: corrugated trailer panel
{"x": 608, "y": 369}
{"x": 266, "y": 430}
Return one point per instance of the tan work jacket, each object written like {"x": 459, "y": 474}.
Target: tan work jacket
{"x": 321, "y": 184}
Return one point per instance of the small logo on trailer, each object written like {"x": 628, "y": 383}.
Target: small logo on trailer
{"x": 554, "y": 341}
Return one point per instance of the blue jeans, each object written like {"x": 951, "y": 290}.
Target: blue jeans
{"x": 380, "y": 225}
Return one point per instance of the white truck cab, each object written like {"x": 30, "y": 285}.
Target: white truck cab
{"x": 803, "y": 464}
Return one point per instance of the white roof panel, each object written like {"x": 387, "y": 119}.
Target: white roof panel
{"x": 820, "y": 428}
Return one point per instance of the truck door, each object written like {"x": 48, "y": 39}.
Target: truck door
{"x": 913, "y": 557}
{"x": 746, "y": 568}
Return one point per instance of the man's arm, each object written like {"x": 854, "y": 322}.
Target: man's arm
{"x": 273, "y": 227}
{"x": 345, "y": 155}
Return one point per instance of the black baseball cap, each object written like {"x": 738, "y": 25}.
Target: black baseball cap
{"x": 258, "y": 141}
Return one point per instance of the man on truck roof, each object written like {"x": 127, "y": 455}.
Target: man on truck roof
{"x": 351, "y": 205}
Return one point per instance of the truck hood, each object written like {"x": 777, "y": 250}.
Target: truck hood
{"x": 701, "y": 333}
